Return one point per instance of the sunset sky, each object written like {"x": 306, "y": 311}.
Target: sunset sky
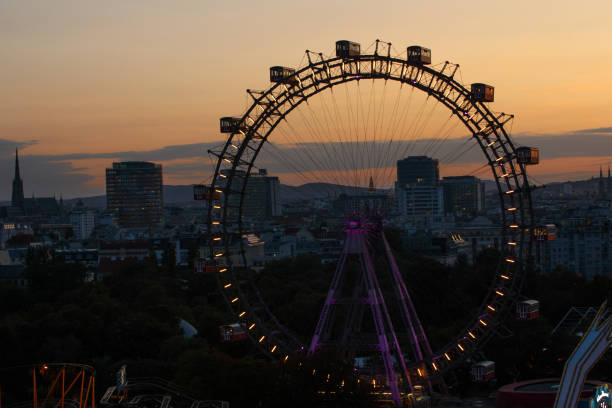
{"x": 88, "y": 82}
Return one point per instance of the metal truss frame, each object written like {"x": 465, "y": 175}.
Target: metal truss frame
{"x": 237, "y": 158}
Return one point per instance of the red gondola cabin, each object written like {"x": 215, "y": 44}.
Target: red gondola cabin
{"x": 483, "y": 93}
{"x": 232, "y": 332}
{"x": 202, "y": 192}
{"x": 527, "y": 310}
{"x": 347, "y": 49}
{"x": 528, "y": 155}
{"x": 283, "y": 75}
{"x": 483, "y": 371}
{"x": 419, "y": 55}
{"x": 203, "y": 265}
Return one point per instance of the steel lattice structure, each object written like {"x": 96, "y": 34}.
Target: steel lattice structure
{"x": 236, "y": 160}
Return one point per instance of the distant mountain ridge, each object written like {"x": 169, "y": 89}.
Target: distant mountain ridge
{"x": 177, "y": 195}
{"x": 183, "y": 194}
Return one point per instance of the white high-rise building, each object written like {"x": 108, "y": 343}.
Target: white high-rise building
{"x": 83, "y": 221}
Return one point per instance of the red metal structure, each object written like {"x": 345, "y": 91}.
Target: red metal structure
{"x": 51, "y": 386}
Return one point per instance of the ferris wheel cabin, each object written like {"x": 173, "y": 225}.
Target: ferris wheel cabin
{"x": 229, "y": 124}
{"x": 346, "y": 49}
{"x": 528, "y": 309}
{"x": 483, "y": 371}
{"x": 203, "y": 192}
{"x": 528, "y": 155}
{"x": 283, "y": 75}
{"x": 483, "y": 93}
{"x": 419, "y": 55}
{"x": 232, "y": 332}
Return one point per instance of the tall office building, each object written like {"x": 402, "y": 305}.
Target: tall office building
{"x": 262, "y": 198}
{"x": 134, "y": 193}
{"x": 418, "y": 189}
{"x": 417, "y": 170}
{"x": 464, "y": 195}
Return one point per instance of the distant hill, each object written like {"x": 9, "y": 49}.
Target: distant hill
{"x": 316, "y": 190}
{"x": 173, "y": 195}
{"x": 183, "y": 195}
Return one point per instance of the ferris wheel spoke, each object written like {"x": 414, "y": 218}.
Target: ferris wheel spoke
{"x": 334, "y": 123}
{"x": 385, "y": 148}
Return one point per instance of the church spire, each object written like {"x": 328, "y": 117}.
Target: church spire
{"x": 17, "y": 176}
{"x": 601, "y": 188}
{"x": 17, "y": 194}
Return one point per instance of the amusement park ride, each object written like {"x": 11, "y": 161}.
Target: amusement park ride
{"x": 411, "y": 362}
{"x": 65, "y": 385}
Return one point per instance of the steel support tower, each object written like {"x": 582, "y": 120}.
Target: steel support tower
{"x": 357, "y": 287}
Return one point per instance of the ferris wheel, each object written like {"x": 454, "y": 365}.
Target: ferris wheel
{"x": 345, "y": 120}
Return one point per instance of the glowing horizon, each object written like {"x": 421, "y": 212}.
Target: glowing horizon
{"x": 134, "y": 77}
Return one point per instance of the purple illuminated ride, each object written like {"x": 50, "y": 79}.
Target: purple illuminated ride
{"x": 407, "y": 357}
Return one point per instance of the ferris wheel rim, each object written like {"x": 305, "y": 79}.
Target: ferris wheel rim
{"x": 494, "y": 129}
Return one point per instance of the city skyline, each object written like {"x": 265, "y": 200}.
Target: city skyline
{"x": 92, "y": 84}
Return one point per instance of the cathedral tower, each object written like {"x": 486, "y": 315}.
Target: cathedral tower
{"x": 17, "y": 196}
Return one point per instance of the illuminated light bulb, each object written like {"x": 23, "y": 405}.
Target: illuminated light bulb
{"x": 512, "y": 209}
{"x": 262, "y": 338}
{"x": 216, "y": 207}
{"x": 491, "y": 308}
{"x": 222, "y": 175}
{"x": 234, "y": 300}
{"x": 273, "y": 349}
{"x": 419, "y": 371}
{"x": 499, "y": 293}
{"x": 286, "y": 358}
{"x": 510, "y": 260}
{"x": 511, "y": 243}
{"x": 252, "y": 326}
{"x": 217, "y": 239}
{"x": 218, "y": 190}
{"x": 222, "y": 270}
{"x": 216, "y": 223}
{"x": 491, "y": 143}
{"x": 219, "y": 254}
{"x": 513, "y": 226}
{"x": 499, "y": 159}
{"x": 447, "y": 356}
{"x": 435, "y": 367}
{"x": 504, "y": 277}
{"x": 229, "y": 285}
{"x": 510, "y": 192}
{"x": 483, "y": 322}
{"x": 460, "y": 347}
{"x": 227, "y": 160}
{"x": 241, "y": 314}
{"x": 471, "y": 335}
{"x": 234, "y": 146}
